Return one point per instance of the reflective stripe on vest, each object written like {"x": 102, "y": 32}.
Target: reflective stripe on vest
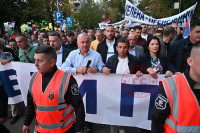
{"x": 51, "y": 108}
{"x": 62, "y": 87}
{"x": 31, "y": 82}
{"x": 69, "y": 121}
{"x": 174, "y": 95}
{"x": 57, "y": 125}
{"x": 61, "y": 105}
{"x": 67, "y": 111}
{"x": 60, "y": 95}
{"x": 183, "y": 129}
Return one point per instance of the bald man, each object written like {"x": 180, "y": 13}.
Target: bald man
{"x": 178, "y": 101}
{"x": 134, "y": 49}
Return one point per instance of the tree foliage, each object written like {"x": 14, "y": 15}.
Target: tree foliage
{"x": 165, "y": 8}
{"x": 93, "y": 13}
{"x": 114, "y": 9}
{"x": 32, "y": 11}
{"x": 89, "y": 15}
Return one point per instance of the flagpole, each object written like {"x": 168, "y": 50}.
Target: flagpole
{"x": 180, "y": 6}
{"x": 58, "y": 4}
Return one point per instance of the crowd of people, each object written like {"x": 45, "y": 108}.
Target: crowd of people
{"x": 142, "y": 49}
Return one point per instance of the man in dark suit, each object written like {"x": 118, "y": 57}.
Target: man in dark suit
{"x": 55, "y": 41}
{"x": 122, "y": 61}
{"x": 181, "y": 49}
{"x": 134, "y": 49}
{"x": 107, "y": 47}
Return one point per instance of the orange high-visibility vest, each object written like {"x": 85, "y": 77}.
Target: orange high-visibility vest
{"x": 185, "y": 109}
{"x": 53, "y": 115}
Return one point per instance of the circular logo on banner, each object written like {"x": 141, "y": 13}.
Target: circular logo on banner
{"x": 138, "y": 86}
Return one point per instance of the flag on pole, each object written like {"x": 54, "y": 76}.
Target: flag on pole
{"x": 186, "y": 29}
{"x": 63, "y": 25}
{"x": 33, "y": 31}
{"x": 11, "y": 24}
{"x": 106, "y": 21}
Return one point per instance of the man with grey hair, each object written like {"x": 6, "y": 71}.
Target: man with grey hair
{"x": 134, "y": 49}
{"x": 99, "y": 38}
{"x": 55, "y": 41}
{"x": 77, "y": 61}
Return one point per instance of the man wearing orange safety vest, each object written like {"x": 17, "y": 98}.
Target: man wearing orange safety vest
{"x": 177, "y": 106}
{"x": 53, "y": 97}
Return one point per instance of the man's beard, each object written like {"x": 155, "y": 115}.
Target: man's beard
{"x": 110, "y": 38}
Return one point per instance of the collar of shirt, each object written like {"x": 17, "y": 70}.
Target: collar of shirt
{"x": 132, "y": 49}
{"x": 61, "y": 50}
{"x": 89, "y": 52}
{"x": 110, "y": 44}
{"x": 189, "y": 42}
{"x": 51, "y": 73}
{"x": 191, "y": 82}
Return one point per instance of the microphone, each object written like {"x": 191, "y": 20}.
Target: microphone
{"x": 88, "y": 63}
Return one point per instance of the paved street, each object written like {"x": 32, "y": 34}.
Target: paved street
{"x": 17, "y": 127}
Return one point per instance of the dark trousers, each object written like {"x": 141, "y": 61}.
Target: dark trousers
{"x": 3, "y": 129}
{"x": 88, "y": 125}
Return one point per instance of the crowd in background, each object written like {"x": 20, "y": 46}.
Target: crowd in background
{"x": 142, "y": 49}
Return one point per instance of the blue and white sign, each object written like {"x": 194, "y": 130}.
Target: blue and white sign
{"x": 58, "y": 15}
{"x": 59, "y": 21}
{"x": 69, "y": 22}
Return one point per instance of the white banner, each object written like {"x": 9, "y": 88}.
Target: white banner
{"x": 113, "y": 99}
{"x": 15, "y": 77}
{"x": 132, "y": 13}
{"x": 118, "y": 24}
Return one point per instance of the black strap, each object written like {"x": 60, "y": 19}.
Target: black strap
{"x": 29, "y": 60}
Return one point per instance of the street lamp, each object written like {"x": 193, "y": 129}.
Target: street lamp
{"x": 177, "y": 5}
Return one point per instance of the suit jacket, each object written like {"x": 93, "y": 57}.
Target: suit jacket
{"x": 65, "y": 54}
{"x": 176, "y": 54}
{"x": 102, "y": 48}
{"x": 138, "y": 51}
{"x": 113, "y": 62}
{"x": 145, "y": 63}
